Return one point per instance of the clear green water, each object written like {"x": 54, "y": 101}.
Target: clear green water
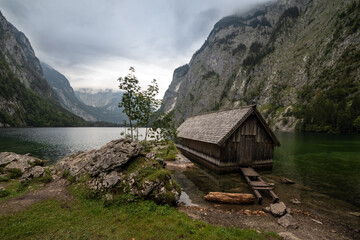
{"x": 328, "y": 164}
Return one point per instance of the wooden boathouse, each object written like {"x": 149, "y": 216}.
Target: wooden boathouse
{"x": 227, "y": 140}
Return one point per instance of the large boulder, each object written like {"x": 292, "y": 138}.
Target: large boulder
{"x": 115, "y": 168}
{"x": 113, "y": 155}
{"x": 10, "y": 160}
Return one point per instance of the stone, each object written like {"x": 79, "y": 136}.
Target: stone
{"x": 356, "y": 214}
{"x": 109, "y": 197}
{"x": 288, "y": 236}
{"x": 109, "y": 157}
{"x": 288, "y": 210}
{"x": 151, "y": 155}
{"x": 278, "y": 209}
{"x": 288, "y": 221}
{"x": 267, "y": 209}
{"x": 287, "y": 180}
{"x": 10, "y": 160}
{"x": 34, "y": 172}
{"x": 295, "y": 201}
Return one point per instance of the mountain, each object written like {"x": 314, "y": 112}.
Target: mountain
{"x": 96, "y": 107}
{"x": 106, "y": 101}
{"x": 25, "y": 97}
{"x": 298, "y": 60}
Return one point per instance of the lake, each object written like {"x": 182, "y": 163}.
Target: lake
{"x": 326, "y": 163}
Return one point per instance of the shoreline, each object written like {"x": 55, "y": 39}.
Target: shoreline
{"x": 319, "y": 216}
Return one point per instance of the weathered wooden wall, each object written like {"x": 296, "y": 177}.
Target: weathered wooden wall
{"x": 249, "y": 144}
{"x": 209, "y": 149}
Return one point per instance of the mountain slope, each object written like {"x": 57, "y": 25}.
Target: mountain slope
{"x": 288, "y": 57}
{"x": 16, "y": 49}
{"x": 102, "y": 110}
{"x": 25, "y": 97}
{"x": 106, "y": 101}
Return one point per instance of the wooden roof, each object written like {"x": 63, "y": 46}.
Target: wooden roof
{"x": 217, "y": 127}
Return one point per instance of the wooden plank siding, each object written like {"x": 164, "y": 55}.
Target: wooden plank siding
{"x": 228, "y": 140}
{"x": 209, "y": 149}
{"x": 249, "y": 144}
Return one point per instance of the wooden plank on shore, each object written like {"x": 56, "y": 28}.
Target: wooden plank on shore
{"x": 238, "y": 198}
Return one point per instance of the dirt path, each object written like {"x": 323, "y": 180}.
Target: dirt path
{"x": 54, "y": 190}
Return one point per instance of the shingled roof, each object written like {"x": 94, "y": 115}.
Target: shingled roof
{"x": 216, "y": 127}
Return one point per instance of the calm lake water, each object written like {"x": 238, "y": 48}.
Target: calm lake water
{"x": 328, "y": 164}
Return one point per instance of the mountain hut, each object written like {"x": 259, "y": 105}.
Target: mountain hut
{"x": 226, "y": 140}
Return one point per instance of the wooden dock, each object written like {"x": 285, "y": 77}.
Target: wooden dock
{"x": 257, "y": 184}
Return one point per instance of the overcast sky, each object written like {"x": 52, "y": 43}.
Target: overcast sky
{"x": 94, "y": 42}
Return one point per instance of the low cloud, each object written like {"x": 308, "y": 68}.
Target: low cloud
{"x": 94, "y": 42}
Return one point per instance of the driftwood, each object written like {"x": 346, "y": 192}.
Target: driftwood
{"x": 239, "y": 198}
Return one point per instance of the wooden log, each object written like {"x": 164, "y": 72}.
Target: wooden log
{"x": 239, "y": 198}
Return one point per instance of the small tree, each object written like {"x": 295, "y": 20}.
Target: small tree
{"x": 130, "y": 85}
{"x": 164, "y": 128}
{"x": 148, "y": 104}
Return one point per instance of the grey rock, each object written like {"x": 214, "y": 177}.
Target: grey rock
{"x": 295, "y": 201}
{"x": 151, "y": 155}
{"x": 267, "y": 209}
{"x": 108, "y": 197}
{"x": 34, "y": 172}
{"x": 288, "y": 236}
{"x": 16, "y": 161}
{"x": 111, "y": 156}
{"x": 105, "y": 180}
{"x": 287, "y": 180}
{"x": 278, "y": 209}
{"x": 288, "y": 221}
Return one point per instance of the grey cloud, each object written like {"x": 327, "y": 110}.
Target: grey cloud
{"x": 69, "y": 33}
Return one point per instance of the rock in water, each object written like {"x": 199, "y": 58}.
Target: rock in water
{"x": 288, "y": 221}
{"x": 278, "y": 209}
{"x": 113, "y": 155}
{"x": 34, "y": 172}
{"x": 295, "y": 201}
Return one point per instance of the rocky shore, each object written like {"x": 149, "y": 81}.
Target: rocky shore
{"x": 115, "y": 169}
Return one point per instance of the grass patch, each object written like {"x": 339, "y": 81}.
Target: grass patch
{"x": 89, "y": 219}
{"x": 168, "y": 153}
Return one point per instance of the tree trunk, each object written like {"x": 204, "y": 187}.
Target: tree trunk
{"x": 239, "y": 198}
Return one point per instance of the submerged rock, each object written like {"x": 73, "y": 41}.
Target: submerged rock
{"x": 278, "y": 209}
{"x": 295, "y": 201}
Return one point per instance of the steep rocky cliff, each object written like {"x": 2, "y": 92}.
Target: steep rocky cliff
{"x": 100, "y": 106}
{"x": 25, "y": 97}
{"x": 290, "y": 57}
{"x": 16, "y": 49}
